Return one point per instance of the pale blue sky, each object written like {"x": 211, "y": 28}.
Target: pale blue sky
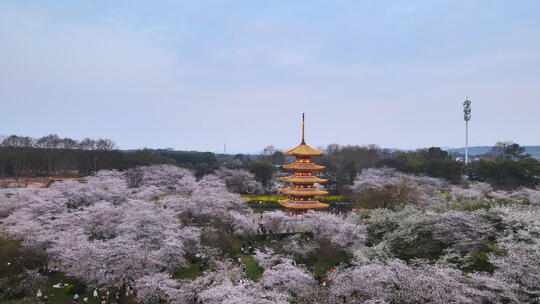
{"x": 194, "y": 75}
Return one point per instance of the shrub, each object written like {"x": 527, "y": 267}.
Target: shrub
{"x": 389, "y": 196}
{"x": 420, "y": 244}
{"x": 79, "y": 285}
{"x": 414, "y": 239}
{"x": 70, "y": 289}
{"x": 8, "y": 294}
{"x": 377, "y": 231}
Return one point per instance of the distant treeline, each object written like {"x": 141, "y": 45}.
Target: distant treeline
{"x": 508, "y": 170}
{"x": 51, "y": 156}
{"x": 22, "y": 156}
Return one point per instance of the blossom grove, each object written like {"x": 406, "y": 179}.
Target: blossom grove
{"x": 453, "y": 244}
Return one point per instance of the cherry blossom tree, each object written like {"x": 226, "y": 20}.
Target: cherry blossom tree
{"x": 154, "y": 288}
{"x": 397, "y": 282}
{"x": 283, "y": 277}
{"x": 339, "y": 229}
{"x": 143, "y": 223}
{"x": 463, "y": 231}
{"x": 372, "y": 178}
{"x": 475, "y": 191}
{"x": 239, "y": 180}
{"x": 531, "y": 196}
{"x": 166, "y": 178}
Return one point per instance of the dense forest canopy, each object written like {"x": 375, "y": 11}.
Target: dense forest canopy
{"x": 506, "y": 166}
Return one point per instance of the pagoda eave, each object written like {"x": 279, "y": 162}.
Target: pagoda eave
{"x": 303, "y": 179}
{"x": 303, "y": 166}
{"x": 303, "y": 192}
{"x": 303, "y": 150}
{"x": 302, "y": 204}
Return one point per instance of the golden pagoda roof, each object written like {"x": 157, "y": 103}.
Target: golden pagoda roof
{"x": 303, "y": 150}
{"x": 303, "y": 179}
{"x": 303, "y": 191}
{"x": 302, "y": 204}
{"x": 303, "y": 166}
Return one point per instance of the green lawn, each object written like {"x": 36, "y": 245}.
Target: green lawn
{"x": 230, "y": 244}
{"x": 191, "y": 272}
{"x": 322, "y": 263}
{"x": 253, "y": 271}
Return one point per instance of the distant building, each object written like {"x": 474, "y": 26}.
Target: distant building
{"x": 462, "y": 158}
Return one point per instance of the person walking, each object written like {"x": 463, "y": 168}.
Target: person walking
{"x": 39, "y": 295}
{"x": 95, "y": 293}
{"x": 244, "y": 267}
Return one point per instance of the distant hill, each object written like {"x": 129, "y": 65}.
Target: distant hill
{"x": 534, "y": 151}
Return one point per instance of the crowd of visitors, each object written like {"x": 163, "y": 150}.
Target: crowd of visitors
{"x": 122, "y": 290}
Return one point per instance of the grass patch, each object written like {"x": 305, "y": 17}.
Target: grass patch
{"x": 192, "y": 271}
{"x": 230, "y": 244}
{"x": 264, "y": 206}
{"x": 322, "y": 263}
{"x": 253, "y": 270}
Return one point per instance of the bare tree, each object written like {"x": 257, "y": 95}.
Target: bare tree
{"x": 87, "y": 144}
{"x": 49, "y": 143}
{"x": 17, "y": 147}
{"x": 105, "y": 145}
{"x": 332, "y": 149}
{"x": 68, "y": 144}
{"x": 269, "y": 150}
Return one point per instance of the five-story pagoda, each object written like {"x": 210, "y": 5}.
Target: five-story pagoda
{"x": 302, "y": 192}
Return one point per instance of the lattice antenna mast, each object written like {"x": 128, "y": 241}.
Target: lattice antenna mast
{"x": 467, "y": 117}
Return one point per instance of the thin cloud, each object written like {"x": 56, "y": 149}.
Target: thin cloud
{"x": 185, "y": 76}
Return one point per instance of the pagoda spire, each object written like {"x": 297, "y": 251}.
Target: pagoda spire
{"x": 303, "y": 141}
